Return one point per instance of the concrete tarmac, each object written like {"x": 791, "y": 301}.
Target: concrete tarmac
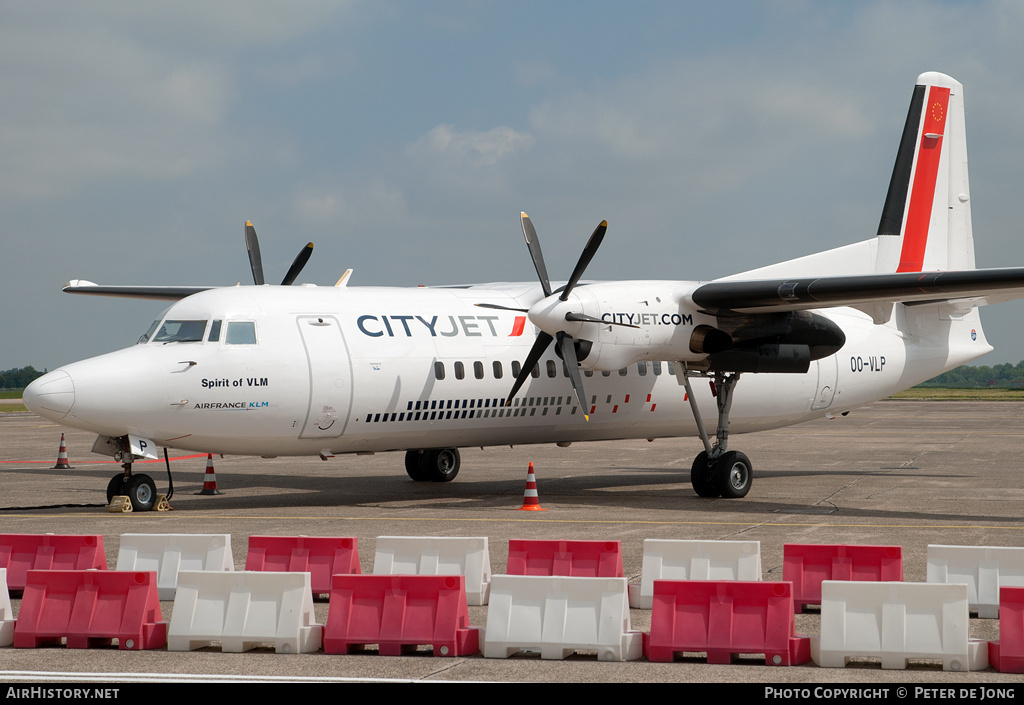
{"x": 905, "y": 473}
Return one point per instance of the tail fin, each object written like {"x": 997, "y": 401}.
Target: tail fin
{"x": 926, "y": 220}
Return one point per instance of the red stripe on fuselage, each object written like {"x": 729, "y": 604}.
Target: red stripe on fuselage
{"x": 517, "y": 327}
{"x": 919, "y": 211}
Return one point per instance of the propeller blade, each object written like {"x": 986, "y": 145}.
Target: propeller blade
{"x": 253, "y": 246}
{"x": 543, "y": 341}
{"x": 538, "y": 259}
{"x": 588, "y": 254}
{"x": 298, "y": 264}
{"x": 568, "y": 347}
{"x": 584, "y": 318}
{"x": 503, "y": 308}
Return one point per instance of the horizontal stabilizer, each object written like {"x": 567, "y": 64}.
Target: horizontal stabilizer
{"x": 161, "y": 293}
{"x": 796, "y": 294}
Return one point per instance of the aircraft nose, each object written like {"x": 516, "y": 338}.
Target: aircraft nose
{"x": 51, "y": 396}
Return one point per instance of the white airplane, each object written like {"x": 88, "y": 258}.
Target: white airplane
{"x": 307, "y": 370}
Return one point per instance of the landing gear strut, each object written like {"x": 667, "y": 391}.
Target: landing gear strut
{"x": 718, "y": 471}
{"x": 436, "y": 465}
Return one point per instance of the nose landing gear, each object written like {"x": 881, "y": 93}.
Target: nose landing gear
{"x": 140, "y": 489}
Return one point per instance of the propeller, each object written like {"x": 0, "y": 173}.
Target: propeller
{"x": 252, "y": 244}
{"x": 565, "y": 344}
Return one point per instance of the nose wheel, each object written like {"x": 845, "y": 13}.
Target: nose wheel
{"x": 140, "y": 489}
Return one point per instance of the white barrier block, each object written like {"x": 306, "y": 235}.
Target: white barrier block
{"x": 442, "y": 555}
{"x": 168, "y": 554}
{"x": 6, "y": 613}
{"x": 243, "y": 610}
{"x": 894, "y": 622}
{"x": 559, "y": 615}
{"x": 667, "y": 559}
{"x": 984, "y": 569}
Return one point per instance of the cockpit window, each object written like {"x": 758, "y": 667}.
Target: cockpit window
{"x": 181, "y": 332}
{"x": 214, "y": 335}
{"x": 149, "y": 333}
{"x": 241, "y": 333}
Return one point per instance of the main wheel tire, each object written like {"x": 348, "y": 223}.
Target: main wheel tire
{"x": 414, "y": 465}
{"x": 116, "y": 487}
{"x": 734, "y": 475}
{"x": 702, "y": 476}
{"x": 142, "y": 493}
{"x": 441, "y": 464}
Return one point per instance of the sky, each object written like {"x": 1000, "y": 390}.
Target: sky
{"x": 404, "y": 138}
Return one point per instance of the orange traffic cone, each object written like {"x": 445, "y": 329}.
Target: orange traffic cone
{"x": 209, "y": 479}
{"x": 62, "y": 456}
{"x": 531, "y": 501}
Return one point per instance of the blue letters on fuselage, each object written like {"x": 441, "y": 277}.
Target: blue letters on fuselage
{"x": 483, "y": 326}
{"x": 447, "y": 327}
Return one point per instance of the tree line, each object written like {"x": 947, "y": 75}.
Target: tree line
{"x": 19, "y": 377}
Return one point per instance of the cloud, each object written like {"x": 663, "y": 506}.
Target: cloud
{"x": 475, "y": 149}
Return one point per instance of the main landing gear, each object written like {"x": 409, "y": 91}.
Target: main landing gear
{"x": 718, "y": 471}
{"x": 140, "y": 489}
{"x": 436, "y": 465}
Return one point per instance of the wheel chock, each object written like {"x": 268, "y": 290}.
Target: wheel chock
{"x": 162, "y": 505}
{"x": 120, "y": 505}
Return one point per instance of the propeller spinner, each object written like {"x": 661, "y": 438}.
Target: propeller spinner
{"x": 252, "y": 244}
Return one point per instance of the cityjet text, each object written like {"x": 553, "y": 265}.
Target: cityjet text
{"x": 447, "y": 327}
{"x": 649, "y": 319}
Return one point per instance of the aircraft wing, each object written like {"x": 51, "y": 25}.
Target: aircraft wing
{"x": 767, "y": 295}
{"x": 161, "y": 293}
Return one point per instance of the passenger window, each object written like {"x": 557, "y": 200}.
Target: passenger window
{"x": 460, "y": 371}
{"x": 497, "y": 369}
{"x": 535, "y": 372}
{"x": 478, "y": 369}
{"x": 623, "y": 371}
{"x": 214, "y": 335}
{"x": 641, "y": 368}
{"x": 516, "y": 368}
{"x": 552, "y": 370}
{"x": 439, "y": 370}
{"x": 241, "y": 333}
{"x": 671, "y": 368}
{"x": 657, "y": 367}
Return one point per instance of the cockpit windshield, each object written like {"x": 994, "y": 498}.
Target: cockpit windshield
{"x": 149, "y": 333}
{"x": 181, "y": 332}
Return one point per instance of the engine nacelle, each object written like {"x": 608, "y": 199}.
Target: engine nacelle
{"x": 777, "y": 342}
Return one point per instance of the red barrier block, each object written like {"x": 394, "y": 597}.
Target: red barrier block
{"x": 724, "y": 618}
{"x": 320, "y": 556}
{"x": 20, "y": 553}
{"x": 1006, "y": 655}
{"x": 806, "y": 565}
{"x": 90, "y": 608}
{"x": 580, "y": 559}
{"x": 399, "y": 613}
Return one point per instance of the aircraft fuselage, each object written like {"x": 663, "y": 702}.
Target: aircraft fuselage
{"x": 368, "y": 369}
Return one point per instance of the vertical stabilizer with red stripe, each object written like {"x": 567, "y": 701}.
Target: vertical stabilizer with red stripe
{"x": 926, "y": 220}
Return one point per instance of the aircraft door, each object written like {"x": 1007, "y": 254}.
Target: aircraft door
{"x": 827, "y": 377}
{"x": 330, "y": 377}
